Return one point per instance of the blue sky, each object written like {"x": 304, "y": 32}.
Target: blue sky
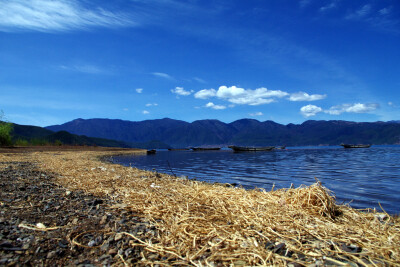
{"x": 282, "y": 60}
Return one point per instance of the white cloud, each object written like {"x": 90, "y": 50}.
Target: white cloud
{"x": 163, "y": 75}
{"x": 145, "y": 112}
{"x": 352, "y": 108}
{"x": 56, "y": 15}
{"x": 205, "y": 93}
{"x": 139, "y": 90}
{"x": 327, "y": 7}
{"x": 213, "y": 106}
{"x": 125, "y": 109}
{"x": 256, "y": 114}
{"x": 360, "y": 13}
{"x": 181, "y": 91}
{"x": 151, "y": 105}
{"x": 385, "y": 11}
{"x": 301, "y": 96}
{"x": 197, "y": 79}
{"x": 310, "y": 110}
{"x": 241, "y": 96}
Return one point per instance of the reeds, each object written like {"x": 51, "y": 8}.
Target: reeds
{"x": 212, "y": 224}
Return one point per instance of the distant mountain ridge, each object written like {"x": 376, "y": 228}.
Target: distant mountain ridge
{"x": 37, "y": 134}
{"x": 179, "y": 133}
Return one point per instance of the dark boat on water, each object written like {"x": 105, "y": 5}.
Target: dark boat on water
{"x": 151, "y": 152}
{"x": 205, "y": 148}
{"x": 354, "y": 146}
{"x": 251, "y": 149}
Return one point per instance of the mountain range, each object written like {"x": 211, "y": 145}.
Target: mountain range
{"x": 35, "y": 135}
{"x": 250, "y": 132}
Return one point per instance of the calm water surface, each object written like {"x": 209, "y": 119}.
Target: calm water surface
{"x": 361, "y": 177}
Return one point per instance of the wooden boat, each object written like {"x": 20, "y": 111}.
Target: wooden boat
{"x": 151, "y": 152}
{"x": 251, "y": 149}
{"x": 354, "y": 146}
{"x": 205, "y": 148}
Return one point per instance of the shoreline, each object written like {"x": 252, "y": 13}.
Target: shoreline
{"x": 185, "y": 222}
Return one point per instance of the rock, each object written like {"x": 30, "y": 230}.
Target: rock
{"x": 51, "y": 254}
{"x": 113, "y": 251}
{"x": 118, "y": 236}
{"x": 239, "y": 263}
{"x": 153, "y": 257}
{"x": 103, "y": 219}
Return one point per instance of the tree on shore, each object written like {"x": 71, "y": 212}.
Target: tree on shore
{"x": 5, "y": 131}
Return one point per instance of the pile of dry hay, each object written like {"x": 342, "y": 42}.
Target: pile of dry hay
{"x": 211, "y": 224}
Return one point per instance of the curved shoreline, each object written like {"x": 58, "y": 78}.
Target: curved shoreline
{"x": 198, "y": 223}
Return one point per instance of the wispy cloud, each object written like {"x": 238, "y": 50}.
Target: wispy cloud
{"x": 382, "y": 19}
{"x": 312, "y": 110}
{"x": 145, "y": 112}
{"x": 301, "y": 96}
{"x": 181, "y": 91}
{"x": 57, "y": 15}
{"x": 213, "y": 106}
{"x": 86, "y": 68}
{"x": 255, "y": 114}
{"x": 328, "y": 7}
{"x": 360, "y": 13}
{"x": 304, "y": 3}
{"x": 352, "y": 108}
{"x": 163, "y": 75}
{"x": 151, "y": 104}
{"x": 197, "y": 79}
{"x": 139, "y": 90}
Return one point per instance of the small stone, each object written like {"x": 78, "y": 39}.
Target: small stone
{"x": 103, "y": 219}
{"x": 51, "y": 254}
{"x": 92, "y": 243}
{"x": 113, "y": 251}
{"x": 118, "y": 236}
{"x": 239, "y": 263}
{"x": 153, "y": 256}
{"x": 40, "y": 225}
{"x": 67, "y": 193}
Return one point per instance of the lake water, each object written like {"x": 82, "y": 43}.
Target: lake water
{"x": 362, "y": 177}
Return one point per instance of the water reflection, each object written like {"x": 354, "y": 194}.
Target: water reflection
{"x": 363, "y": 177}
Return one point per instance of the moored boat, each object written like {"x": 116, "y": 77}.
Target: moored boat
{"x": 251, "y": 149}
{"x": 354, "y": 146}
{"x": 205, "y": 148}
{"x": 151, "y": 152}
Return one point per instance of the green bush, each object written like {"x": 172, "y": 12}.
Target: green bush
{"x": 21, "y": 142}
{"x": 5, "y": 133}
{"x": 58, "y": 143}
{"x": 39, "y": 142}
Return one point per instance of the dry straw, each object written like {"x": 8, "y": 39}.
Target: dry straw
{"x": 212, "y": 224}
